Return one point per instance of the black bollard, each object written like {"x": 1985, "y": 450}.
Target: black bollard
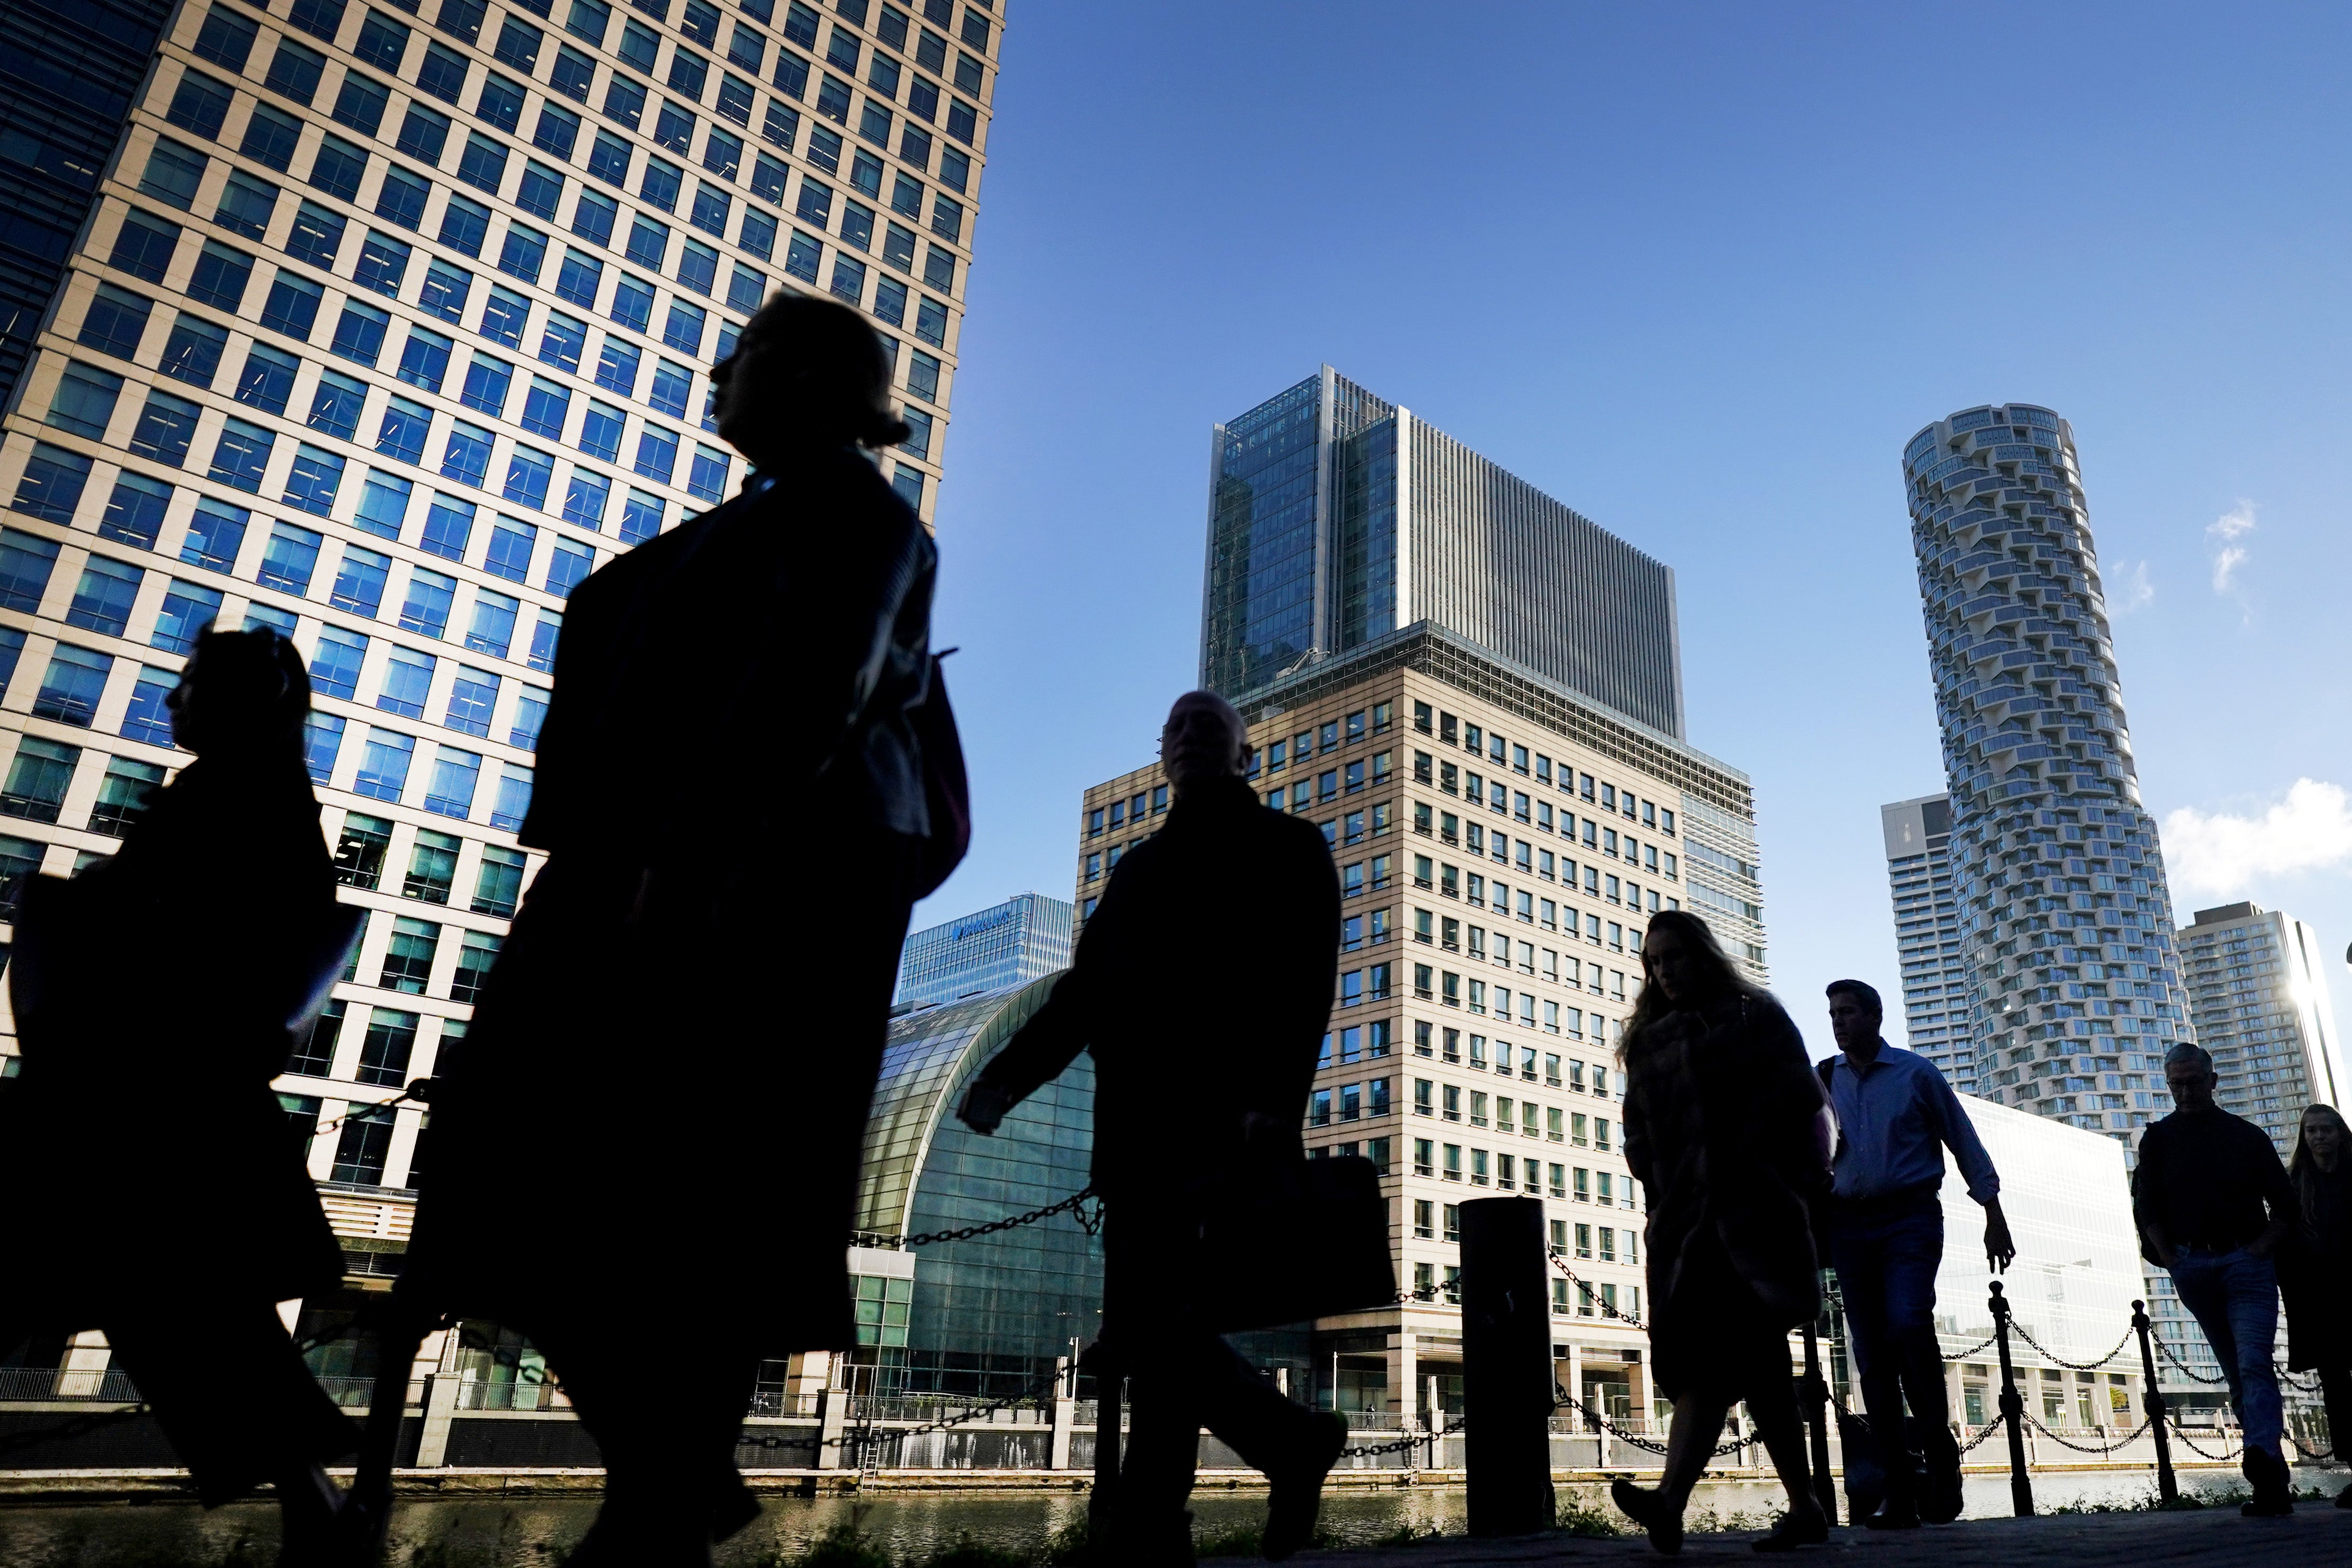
{"x": 1506, "y": 1383}
{"x": 2012, "y": 1410}
{"x": 1815, "y": 1400}
{"x": 2167, "y": 1488}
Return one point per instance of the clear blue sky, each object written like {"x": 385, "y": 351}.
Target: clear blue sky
{"x": 1698, "y": 271}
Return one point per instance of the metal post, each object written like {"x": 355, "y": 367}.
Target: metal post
{"x": 1816, "y": 1399}
{"x": 2012, "y": 1410}
{"x": 1506, "y": 1400}
{"x": 1108, "y": 1388}
{"x": 2167, "y": 1488}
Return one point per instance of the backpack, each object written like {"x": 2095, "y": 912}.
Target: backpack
{"x": 946, "y": 792}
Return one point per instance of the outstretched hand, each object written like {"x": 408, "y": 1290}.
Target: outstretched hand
{"x": 984, "y": 1105}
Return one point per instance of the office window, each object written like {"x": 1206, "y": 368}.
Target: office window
{"x": 492, "y": 628}
{"x": 363, "y": 1145}
{"x": 498, "y": 890}
{"x": 425, "y": 608}
{"x": 35, "y": 787}
{"x": 134, "y": 512}
{"x": 335, "y": 661}
{"x": 71, "y": 690}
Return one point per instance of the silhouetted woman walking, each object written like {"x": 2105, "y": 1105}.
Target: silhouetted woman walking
{"x": 1720, "y": 1130}
{"x": 653, "y": 1127}
{"x": 157, "y": 994}
{"x": 2318, "y": 1280}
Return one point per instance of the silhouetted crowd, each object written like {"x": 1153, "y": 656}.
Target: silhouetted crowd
{"x": 686, "y": 1155}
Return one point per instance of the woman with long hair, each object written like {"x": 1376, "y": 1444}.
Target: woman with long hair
{"x": 2319, "y": 1309}
{"x": 1719, "y": 1128}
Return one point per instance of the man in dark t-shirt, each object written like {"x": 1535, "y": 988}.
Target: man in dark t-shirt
{"x": 2212, "y": 1202}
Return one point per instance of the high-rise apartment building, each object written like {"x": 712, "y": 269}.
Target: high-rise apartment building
{"x": 1927, "y": 935}
{"x": 385, "y": 324}
{"x": 2075, "y": 985}
{"x": 1335, "y": 518}
{"x": 1024, "y": 938}
{"x": 2259, "y": 980}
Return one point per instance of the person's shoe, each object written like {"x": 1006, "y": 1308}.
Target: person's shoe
{"x": 1942, "y": 1497}
{"x": 1892, "y": 1515}
{"x": 1648, "y": 1507}
{"x": 2274, "y": 1492}
{"x": 1296, "y": 1494}
{"x": 1810, "y": 1527}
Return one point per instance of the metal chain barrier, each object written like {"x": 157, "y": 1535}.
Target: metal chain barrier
{"x": 1979, "y": 1348}
{"x": 2183, "y": 1368}
{"x": 1073, "y": 1205}
{"x": 2182, "y": 1433}
{"x": 1563, "y": 1399}
{"x": 1984, "y": 1432}
{"x": 1402, "y": 1445}
{"x": 2103, "y": 1449}
{"x": 1594, "y": 1297}
{"x": 2027, "y": 1335}
{"x": 2306, "y": 1453}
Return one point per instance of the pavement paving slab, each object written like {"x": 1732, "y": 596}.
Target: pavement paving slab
{"x": 2317, "y": 1536}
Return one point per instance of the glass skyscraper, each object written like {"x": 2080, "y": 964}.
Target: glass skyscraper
{"x": 1024, "y": 938}
{"x": 1927, "y": 935}
{"x": 383, "y": 324}
{"x": 2073, "y": 984}
{"x": 1335, "y": 518}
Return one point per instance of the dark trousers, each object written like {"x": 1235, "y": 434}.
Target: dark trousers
{"x": 232, "y": 1394}
{"x": 668, "y": 1443}
{"x": 2335, "y": 1392}
{"x": 1181, "y": 1378}
{"x": 1885, "y": 1254}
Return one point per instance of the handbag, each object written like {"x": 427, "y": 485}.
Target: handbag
{"x": 1308, "y": 1239}
{"x": 946, "y": 792}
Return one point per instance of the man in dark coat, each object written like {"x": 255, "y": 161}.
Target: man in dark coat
{"x": 651, "y": 1135}
{"x": 1190, "y": 1001}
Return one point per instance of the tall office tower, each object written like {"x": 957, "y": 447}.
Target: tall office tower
{"x": 1335, "y": 518}
{"x": 1927, "y": 935}
{"x": 2260, "y": 980}
{"x": 72, "y": 74}
{"x": 1024, "y": 938}
{"x": 389, "y": 322}
{"x": 1475, "y": 693}
{"x": 2075, "y": 987}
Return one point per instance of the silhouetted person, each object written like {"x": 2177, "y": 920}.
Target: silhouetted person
{"x": 650, "y": 1139}
{"x": 2319, "y": 1298}
{"x": 1720, "y": 1129}
{"x": 156, "y": 996}
{"x": 2204, "y": 1181}
{"x": 1195, "y": 996}
{"x": 1895, "y": 1116}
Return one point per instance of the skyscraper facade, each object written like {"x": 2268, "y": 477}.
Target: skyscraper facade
{"x": 1024, "y": 938}
{"x": 1927, "y": 935}
{"x": 1335, "y": 518}
{"x": 386, "y": 324}
{"x": 2259, "y": 977}
{"x": 2074, "y": 984}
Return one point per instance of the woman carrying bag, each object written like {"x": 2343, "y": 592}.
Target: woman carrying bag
{"x": 156, "y": 996}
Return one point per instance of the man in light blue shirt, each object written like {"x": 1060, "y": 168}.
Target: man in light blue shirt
{"x": 1896, "y": 1117}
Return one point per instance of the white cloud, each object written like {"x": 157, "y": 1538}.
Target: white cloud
{"x": 2131, "y": 589}
{"x": 2310, "y": 830}
{"x": 2229, "y": 527}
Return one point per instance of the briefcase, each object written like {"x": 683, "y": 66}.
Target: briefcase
{"x": 1305, "y": 1240}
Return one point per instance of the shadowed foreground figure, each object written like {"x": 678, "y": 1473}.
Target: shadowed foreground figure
{"x": 653, "y": 1128}
{"x": 1721, "y": 1129}
{"x": 1185, "y": 1000}
{"x": 200, "y": 1025}
{"x": 2319, "y": 1286}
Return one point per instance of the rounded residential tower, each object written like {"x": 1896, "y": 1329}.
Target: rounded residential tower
{"x": 2073, "y": 984}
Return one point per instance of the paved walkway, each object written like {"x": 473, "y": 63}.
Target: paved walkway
{"x": 2317, "y": 1534}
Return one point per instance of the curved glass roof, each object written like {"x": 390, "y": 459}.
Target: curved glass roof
{"x": 931, "y": 1054}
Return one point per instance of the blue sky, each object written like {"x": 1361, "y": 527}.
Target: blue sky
{"x": 1700, "y": 272}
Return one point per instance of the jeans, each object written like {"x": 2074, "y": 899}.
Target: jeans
{"x": 1885, "y": 1257}
{"x": 2234, "y": 1300}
